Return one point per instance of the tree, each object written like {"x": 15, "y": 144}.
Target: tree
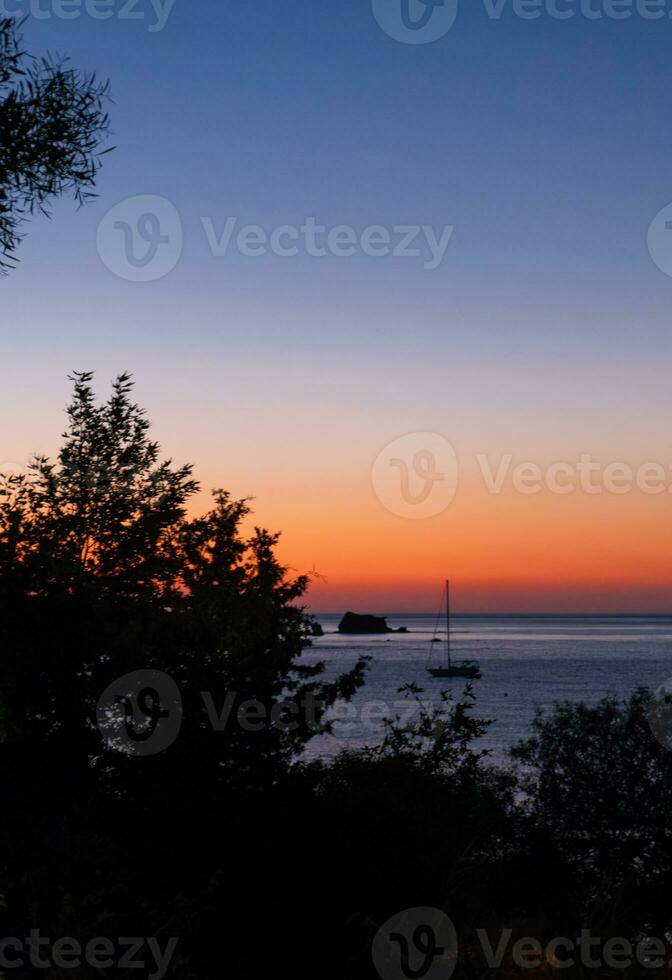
{"x": 103, "y": 572}
{"x": 424, "y": 821}
{"x": 52, "y": 125}
{"x": 598, "y": 791}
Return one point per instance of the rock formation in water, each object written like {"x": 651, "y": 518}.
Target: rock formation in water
{"x": 365, "y": 623}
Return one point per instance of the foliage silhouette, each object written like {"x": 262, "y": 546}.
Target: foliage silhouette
{"x": 102, "y": 572}
{"x": 599, "y": 786}
{"x": 52, "y": 126}
{"x": 258, "y": 859}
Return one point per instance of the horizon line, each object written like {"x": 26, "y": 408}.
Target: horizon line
{"x": 520, "y": 615}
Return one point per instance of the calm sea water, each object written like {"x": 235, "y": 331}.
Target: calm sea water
{"x": 526, "y": 661}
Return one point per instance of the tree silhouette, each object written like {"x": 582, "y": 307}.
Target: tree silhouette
{"x": 258, "y": 858}
{"x": 599, "y": 786}
{"x": 103, "y": 572}
{"x": 52, "y": 125}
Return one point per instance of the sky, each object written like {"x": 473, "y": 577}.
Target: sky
{"x": 365, "y": 400}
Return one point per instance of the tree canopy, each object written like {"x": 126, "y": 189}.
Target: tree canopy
{"x": 103, "y": 571}
{"x": 53, "y": 124}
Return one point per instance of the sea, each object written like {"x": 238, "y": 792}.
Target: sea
{"x": 527, "y": 662}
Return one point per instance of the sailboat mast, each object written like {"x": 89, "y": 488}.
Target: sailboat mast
{"x": 448, "y": 620}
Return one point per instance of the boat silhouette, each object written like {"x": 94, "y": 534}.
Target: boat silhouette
{"x": 462, "y": 668}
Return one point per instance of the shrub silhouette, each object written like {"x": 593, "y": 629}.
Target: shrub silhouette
{"x": 256, "y": 859}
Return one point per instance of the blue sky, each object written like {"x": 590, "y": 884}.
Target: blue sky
{"x": 546, "y": 145}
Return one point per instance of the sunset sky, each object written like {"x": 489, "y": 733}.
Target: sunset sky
{"x": 544, "y": 333}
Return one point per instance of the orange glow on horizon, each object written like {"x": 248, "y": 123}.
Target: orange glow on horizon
{"x": 505, "y": 553}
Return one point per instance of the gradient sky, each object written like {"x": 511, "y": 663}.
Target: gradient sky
{"x": 545, "y": 332}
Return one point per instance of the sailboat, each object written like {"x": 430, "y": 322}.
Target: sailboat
{"x": 464, "y": 668}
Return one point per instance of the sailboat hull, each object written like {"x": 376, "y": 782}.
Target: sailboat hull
{"x": 456, "y": 670}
